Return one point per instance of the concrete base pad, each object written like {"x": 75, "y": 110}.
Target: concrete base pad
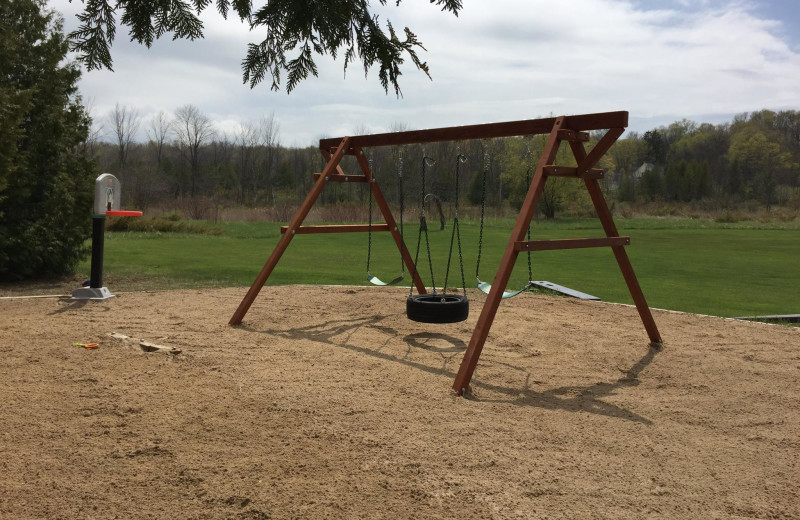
{"x": 91, "y": 293}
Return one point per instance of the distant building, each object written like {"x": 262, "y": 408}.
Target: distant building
{"x": 641, "y": 170}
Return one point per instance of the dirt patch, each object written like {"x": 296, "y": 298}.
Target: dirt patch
{"x": 328, "y": 403}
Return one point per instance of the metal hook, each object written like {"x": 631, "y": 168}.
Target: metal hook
{"x": 462, "y": 158}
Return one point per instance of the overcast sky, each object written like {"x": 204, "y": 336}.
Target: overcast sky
{"x": 704, "y": 60}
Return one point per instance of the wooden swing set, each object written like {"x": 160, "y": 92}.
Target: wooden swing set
{"x": 570, "y": 129}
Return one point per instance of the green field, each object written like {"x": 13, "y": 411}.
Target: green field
{"x": 740, "y": 269}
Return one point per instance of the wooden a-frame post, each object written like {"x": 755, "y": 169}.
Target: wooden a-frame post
{"x": 517, "y": 243}
{"x": 331, "y": 172}
{"x": 572, "y": 129}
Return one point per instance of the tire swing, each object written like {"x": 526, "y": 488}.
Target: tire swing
{"x": 438, "y": 307}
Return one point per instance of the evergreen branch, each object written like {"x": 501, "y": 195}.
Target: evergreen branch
{"x": 93, "y": 38}
{"x": 314, "y": 26}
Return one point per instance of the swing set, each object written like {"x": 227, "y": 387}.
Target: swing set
{"x": 435, "y": 307}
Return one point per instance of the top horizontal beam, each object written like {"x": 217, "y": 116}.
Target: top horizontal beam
{"x": 583, "y": 122}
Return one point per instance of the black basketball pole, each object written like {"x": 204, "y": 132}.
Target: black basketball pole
{"x": 98, "y": 243}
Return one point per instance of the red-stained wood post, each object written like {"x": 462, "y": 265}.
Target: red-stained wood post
{"x": 604, "y": 214}
{"x": 516, "y": 243}
{"x": 331, "y": 167}
{"x": 489, "y": 310}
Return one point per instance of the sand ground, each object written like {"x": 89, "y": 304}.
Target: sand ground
{"x": 328, "y": 403}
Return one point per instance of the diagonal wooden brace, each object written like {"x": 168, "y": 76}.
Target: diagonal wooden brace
{"x": 331, "y": 167}
{"x": 389, "y": 218}
{"x": 490, "y": 306}
{"x": 604, "y": 214}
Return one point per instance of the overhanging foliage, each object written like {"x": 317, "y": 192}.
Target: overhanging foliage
{"x": 310, "y": 27}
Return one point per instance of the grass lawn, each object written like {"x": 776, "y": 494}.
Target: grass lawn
{"x": 697, "y": 266}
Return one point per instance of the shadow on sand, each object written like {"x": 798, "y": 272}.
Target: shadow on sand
{"x": 339, "y": 333}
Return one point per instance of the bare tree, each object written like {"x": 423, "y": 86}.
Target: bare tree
{"x": 95, "y": 131}
{"x": 268, "y": 132}
{"x": 124, "y": 122}
{"x": 222, "y": 148}
{"x": 246, "y": 139}
{"x": 192, "y": 129}
{"x": 158, "y": 133}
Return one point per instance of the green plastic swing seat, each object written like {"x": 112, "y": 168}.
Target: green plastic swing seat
{"x": 374, "y": 280}
{"x": 486, "y": 287}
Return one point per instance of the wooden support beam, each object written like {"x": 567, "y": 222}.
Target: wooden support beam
{"x": 337, "y": 177}
{"x": 604, "y": 214}
{"x": 572, "y": 129}
{"x": 347, "y": 228}
{"x": 571, "y": 243}
{"x": 572, "y": 135}
{"x": 571, "y": 171}
{"x": 586, "y": 162}
{"x": 490, "y": 306}
{"x": 380, "y": 201}
{"x": 584, "y": 122}
{"x": 302, "y": 212}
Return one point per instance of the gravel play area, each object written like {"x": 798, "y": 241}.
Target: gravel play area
{"x": 327, "y": 402}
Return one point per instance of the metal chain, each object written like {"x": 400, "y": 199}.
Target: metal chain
{"x": 369, "y": 227}
{"x": 461, "y": 260}
{"x": 402, "y": 202}
{"x": 452, "y": 237}
{"x": 423, "y": 223}
{"x": 416, "y": 261}
{"x": 460, "y": 158}
{"x": 483, "y": 213}
{"x": 423, "y": 226}
{"x": 457, "y": 226}
{"x": 528, "y": 183}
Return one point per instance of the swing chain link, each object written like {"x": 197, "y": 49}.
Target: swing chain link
{"x": 486, "y": 161}
{"x": 423, "y": 227}
{"x": 423, "y": 223}
{"x": 369, "y": 227}
{"x": 402, "y": 204}
{"x": 528, "y": 184}
{"x": 486, "y": 166}
{"x": 460, "y": 159}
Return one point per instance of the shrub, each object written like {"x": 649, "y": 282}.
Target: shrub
{"x": 167, "y": 223}
{"x": 46, "y": 179}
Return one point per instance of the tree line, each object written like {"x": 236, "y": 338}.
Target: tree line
{"x": 754, "y": 158}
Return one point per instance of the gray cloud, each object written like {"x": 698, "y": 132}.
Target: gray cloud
{"x": 501, "y": 60}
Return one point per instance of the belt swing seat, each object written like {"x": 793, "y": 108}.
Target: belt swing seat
{"x": 486, "y": 287}
{"x": 374, "y": 280}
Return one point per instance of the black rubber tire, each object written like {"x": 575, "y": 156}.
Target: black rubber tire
{"x": 437, "y": 308}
